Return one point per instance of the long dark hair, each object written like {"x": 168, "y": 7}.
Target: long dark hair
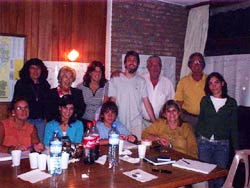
{"x": 91, "y": 68}
{"x": 221, "y": 79}
{"x": 64, "y": 101}
{"x": 24, "y": 72}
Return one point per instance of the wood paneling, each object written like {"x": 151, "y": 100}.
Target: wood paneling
{"x": 54, "y": 27}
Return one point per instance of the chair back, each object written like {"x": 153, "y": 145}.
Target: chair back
{"x": 241, "y": 155}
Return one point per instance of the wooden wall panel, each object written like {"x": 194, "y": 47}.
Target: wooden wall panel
{"x": 52, "y": 28}
{"x": 55, "y": 27}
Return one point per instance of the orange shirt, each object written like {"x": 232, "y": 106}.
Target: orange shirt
{"x": 13, "y": 136}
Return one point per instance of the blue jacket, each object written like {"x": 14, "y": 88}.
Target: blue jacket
{"x": 74, "y": 132}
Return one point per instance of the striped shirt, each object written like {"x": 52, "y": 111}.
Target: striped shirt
{"x": 92, "y": 100}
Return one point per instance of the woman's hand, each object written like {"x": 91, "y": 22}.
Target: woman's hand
{"x": 21, "y": 147}
{"x": 131, "y": 138}
{"x": 39, "y": 147}
{"x": 164, "y": 141}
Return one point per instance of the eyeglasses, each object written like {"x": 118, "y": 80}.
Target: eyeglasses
{"x": 19, "y": 108}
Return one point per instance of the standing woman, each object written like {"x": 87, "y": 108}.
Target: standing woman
{"x": 34, "y": 87}
{"x": 66, "y": 77}
{"x": 94, "y": 89}
{"x": 217, "y": 124}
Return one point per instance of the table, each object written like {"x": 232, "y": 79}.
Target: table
{"x": 102, "y": 176}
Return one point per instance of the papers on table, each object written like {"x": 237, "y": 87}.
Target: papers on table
{"x": 101, "y": 160}
{"x": 130, "y": 159}
{"x": 34, "y": 176}
{"x": 153, "y": 160}
{"x": 140, "y": 175}
{"x": 129, "y": 145}
{"x": 7, "y": 157}
{"x": 193, "y": 165}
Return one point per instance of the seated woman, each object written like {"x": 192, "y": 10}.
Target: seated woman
{"x": 16, "y": 132}
{"x": 66, "y": 77}
{"x": 65, "y": 123}
{"x": 108, "y": 114}
{"x": 169, "y": 130}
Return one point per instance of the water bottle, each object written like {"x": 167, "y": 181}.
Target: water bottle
{"x": 55, "y": 152}
{"x": 89, "y": 146}
{"x": 113, "y": 152}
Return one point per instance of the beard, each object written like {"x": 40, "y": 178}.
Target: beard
{"x": 131, "y": 70}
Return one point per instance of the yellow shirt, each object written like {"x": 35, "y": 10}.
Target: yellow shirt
{"x": 190, "y": 92}
{"x": 182, "y": 138}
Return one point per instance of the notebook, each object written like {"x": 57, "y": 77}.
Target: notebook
{"x": 153, "y": 160}
{"x": 194, "y": 165}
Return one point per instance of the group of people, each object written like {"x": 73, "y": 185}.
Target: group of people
{"x": 199, "y": 119}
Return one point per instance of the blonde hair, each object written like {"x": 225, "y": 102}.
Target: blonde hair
{"x": 64, "y": 70}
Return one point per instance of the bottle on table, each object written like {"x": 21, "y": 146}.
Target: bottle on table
{"x": 89, "y": 145}
{"x": 113, "y": 152}
{"x": 95, "y": 133}
{"x": 55, "y": 152}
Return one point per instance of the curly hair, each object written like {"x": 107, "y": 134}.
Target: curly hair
{"x": 24, "y": 72}
{"x": 221, "y": 79}
{"x": 65, "y": 69}
{"x": 90, "y": 69}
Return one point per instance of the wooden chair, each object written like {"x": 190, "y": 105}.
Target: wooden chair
{"x": 241, "y": 155}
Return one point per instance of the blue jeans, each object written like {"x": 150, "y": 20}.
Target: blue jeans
{"x": 40, "y": 127}
{"x": 214, "y": 153}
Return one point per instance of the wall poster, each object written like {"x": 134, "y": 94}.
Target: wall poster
{"x": 12, "y": 49}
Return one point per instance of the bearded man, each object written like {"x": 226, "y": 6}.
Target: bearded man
{"x": 129, "y": 91}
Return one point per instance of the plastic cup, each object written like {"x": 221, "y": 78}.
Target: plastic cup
{"x": 42, "y": 158}
{"x": 33, "y": 157}
{"x": 16, "y": 157}
{"x": 65, "y": 160}
{"x": 142, "y": 151}
{"x": 121, "y": 143}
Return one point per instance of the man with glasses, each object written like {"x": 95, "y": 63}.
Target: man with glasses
{"x": 190, "y": 89}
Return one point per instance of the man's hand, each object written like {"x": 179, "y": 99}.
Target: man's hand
{"x": 116, "y": 73}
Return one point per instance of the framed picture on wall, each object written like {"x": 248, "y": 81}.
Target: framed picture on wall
{"x": 12, "y": 56}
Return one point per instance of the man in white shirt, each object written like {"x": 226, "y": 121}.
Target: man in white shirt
{"x": 160, "y": 88}
{"x": 129, "y": 92}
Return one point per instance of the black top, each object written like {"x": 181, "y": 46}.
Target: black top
{"x": 53, "y": 103}
{"x": 36, "y": 94}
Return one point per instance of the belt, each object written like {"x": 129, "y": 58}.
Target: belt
{"x": 212, "y": 141}
{"x": 187, "y": 113}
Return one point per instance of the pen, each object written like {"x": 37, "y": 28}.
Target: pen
{"x": 185, "y": 161}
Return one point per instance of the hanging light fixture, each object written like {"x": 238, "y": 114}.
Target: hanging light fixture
{"x": 73, "y": 55}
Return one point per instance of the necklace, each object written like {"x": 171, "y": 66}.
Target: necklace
{"x": 35, "y": 89}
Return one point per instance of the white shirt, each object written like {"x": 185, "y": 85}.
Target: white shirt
{"x": 158, "y": 95}
{"x": 129, "y": 94}
{"x": 218, "y": 102}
